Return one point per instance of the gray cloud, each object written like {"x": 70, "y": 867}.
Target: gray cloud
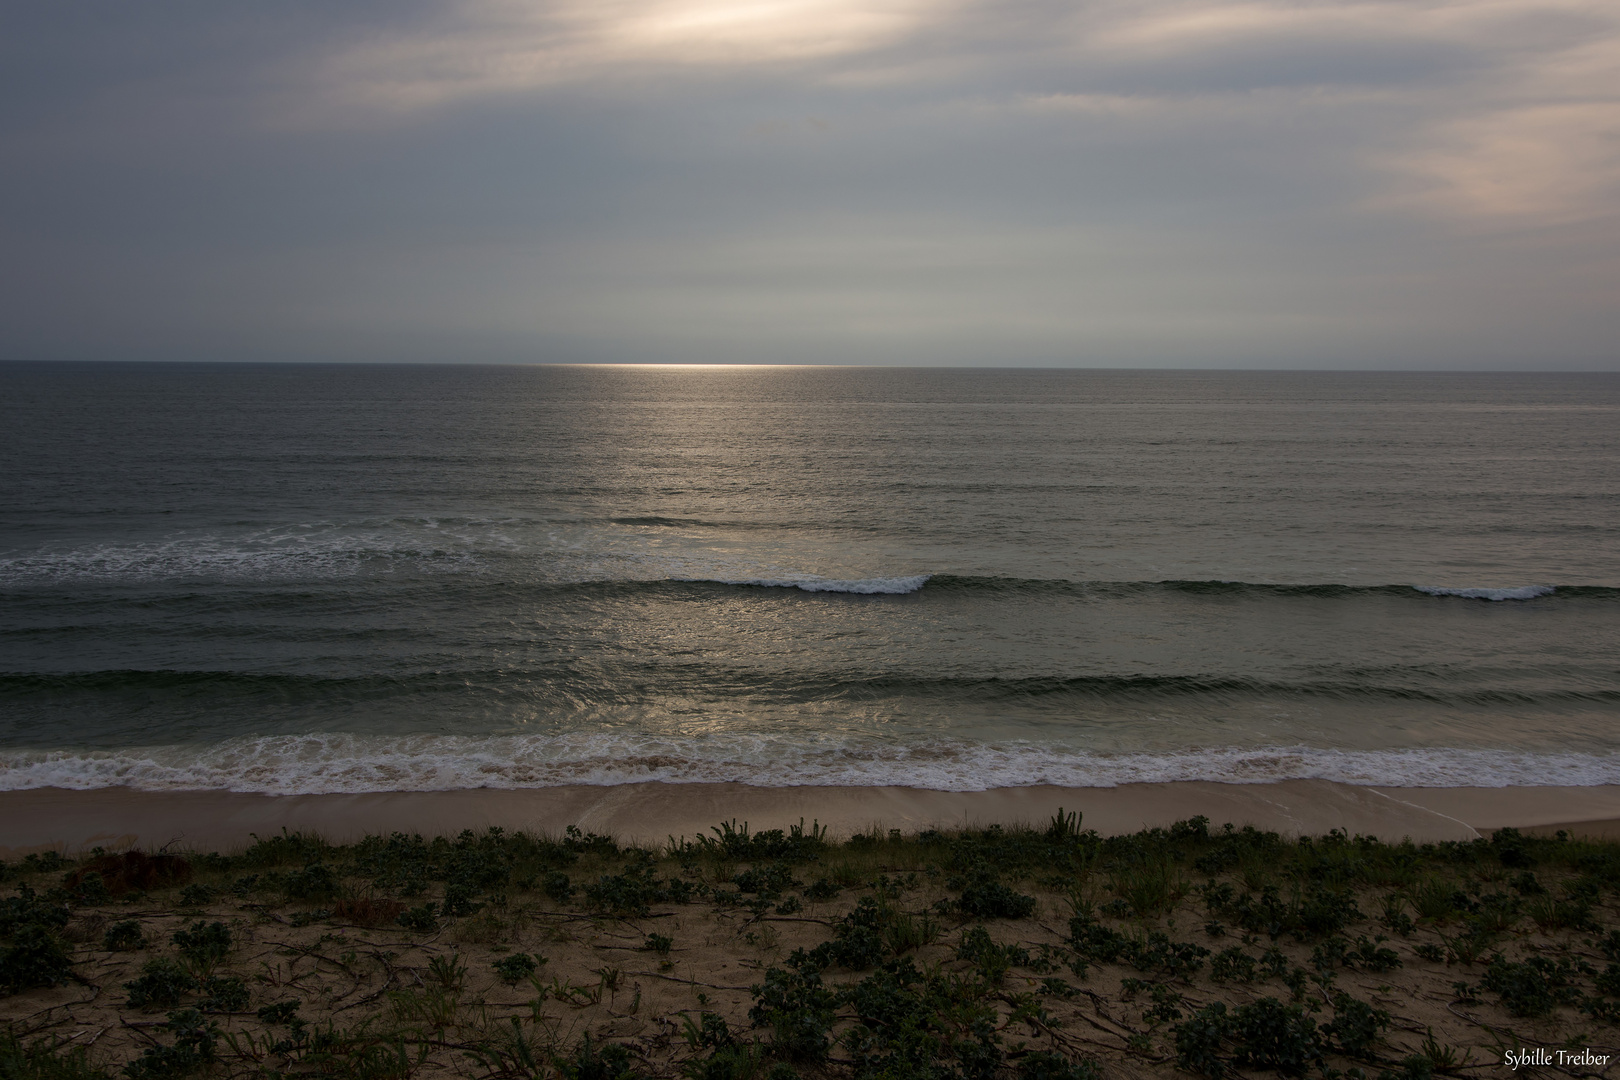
{"x": 1182, "y": 182}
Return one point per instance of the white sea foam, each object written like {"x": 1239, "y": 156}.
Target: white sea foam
{"x": 892, "y": 586}
{"x": 322, "y": 550}
{"x": 1523, "y": 592}
{"x": 310, "y": 552}
{"x": 310, "y": 764}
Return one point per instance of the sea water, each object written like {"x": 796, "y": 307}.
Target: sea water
{"x": 367, "y": 578}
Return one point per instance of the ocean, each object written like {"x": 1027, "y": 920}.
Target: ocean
{"x": 302, "y": 578}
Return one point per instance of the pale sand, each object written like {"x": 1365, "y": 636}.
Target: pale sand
{"x": 74, "y": 821}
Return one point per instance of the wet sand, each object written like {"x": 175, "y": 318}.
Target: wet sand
{"x": 73, "y": 821}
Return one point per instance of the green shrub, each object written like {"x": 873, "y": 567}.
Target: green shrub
{"x": 458, "y": 900}
{"x": 1199, "y": 1041}
{"x": 422, "y": 920}
{"x": 123, "y": 936}
{"x": 1158, "y": 953}
{"x": 767, "y": 881}
{"x": 223, "y": 995}
{"x": 284, "y": 850}
{"x": 821, "y": 889}
{"x": 161, "y": 985}
{"x": 1550, "y": 914}
{"x": 1512, "y": 849}
{"x": 27, "y": 907}
{"x": 1356, "y": 1026}
{"x": 90, "y": 889}
{"x": 798, "y": 1009}
{"x": 598, "y": 1061}
{"x": 1265, "y": 1034}
{"x": 1095, "y": 942}
{"x": 908, "y": 1024}
{"x": 197, "y": 895}
{"x": 314, "y": 882}
{"x": 1045, "y": 1065}
{"x": 1413, "y": 1067}
{"x": 1232, "y": 965}
{"x": 1271, "y": 1035}
{"x": 905, "y": 932}
{"x": 45, "y": 1060}
{"x": 1437, "y": 900}
{"x": 983, "y": 897}
{"x": 193, "y": 1048}
{"x": 513, "y": 969}
{"x": 204, "y": 945}
{"x": 35, "y": 958}
{"x": 1497, "y": 913}
{"x": 1365, "y": 954}
{"x": 1165, "y": 1002}
{"x": 1533, "y": 987}
{"x": 634, "y": 891}
{"x": 1324, "y": 911}
{"x": 858, "y": 940}
{"x": 1150, "y": 885}
{"x": 734, "y": 1061}
{"x": 731, "y": 841}
{"x": 282, "y": 1012}
{"x": 557, "y": 886}
{"x": 992, "y": 960}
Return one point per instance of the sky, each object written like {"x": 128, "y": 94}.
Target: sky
{"x": 1152, "y": 183}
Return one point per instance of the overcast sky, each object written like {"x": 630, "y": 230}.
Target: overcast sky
{"x": 1109, "y": 183}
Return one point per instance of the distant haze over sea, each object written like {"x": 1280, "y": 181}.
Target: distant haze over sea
{"x": 289, "y": 578}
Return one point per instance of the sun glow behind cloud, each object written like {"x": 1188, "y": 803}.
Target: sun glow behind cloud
{"x": 1541, "y": 144}
{"x": 1024, "y": 181}
{"x": 501, "y": 47}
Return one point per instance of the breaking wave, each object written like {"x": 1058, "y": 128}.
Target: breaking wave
{"x": 889, "y": 586}
{"x": 340, "y": 763}
{"x": 1523, "y": 592}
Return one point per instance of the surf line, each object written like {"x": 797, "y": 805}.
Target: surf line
{"x": 1427, "y": 810}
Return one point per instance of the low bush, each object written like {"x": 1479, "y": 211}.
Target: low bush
{"x": 125, "y": 936}
{"x": 162, "y": 984}
{"x": 36, "y": 957}
{"x": 798, "y": 1009}
{"x": 314, "y": 882}
{"x": 1534, "y": 987}
{"x": 513, "y": 969}
{"x": 422, "y": 920}
{"x": 193, "y": 1047}
{"x": 204, "y": 944}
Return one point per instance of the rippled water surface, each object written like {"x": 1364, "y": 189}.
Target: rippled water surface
{"x": 291, "y": 578}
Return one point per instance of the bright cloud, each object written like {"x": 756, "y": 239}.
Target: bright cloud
{"x": 1289, "y": 182}
{"x": 1518, "y": 123}
{"x": 501, "y": 47}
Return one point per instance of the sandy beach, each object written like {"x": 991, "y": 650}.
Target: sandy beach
{"x": 75, "y": 821}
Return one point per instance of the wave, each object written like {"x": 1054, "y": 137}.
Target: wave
{"x": 1221, "y": 587}
{"x": 900, "y": 585}
{"x": 568, "y": 689}
{"x": 889, "y": 586}
{"x": 345, "y": 763}
{"x": 282, "y": 556}
{"x": 1523, "y": 592}
{"x": 484, "y": 549}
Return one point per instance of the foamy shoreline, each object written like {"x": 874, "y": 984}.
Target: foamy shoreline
{"x": 338, "y": 763}
{"x": 73, "y": 821}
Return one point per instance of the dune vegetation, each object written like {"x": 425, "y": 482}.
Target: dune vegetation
{"x": 1043, "y": 952}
